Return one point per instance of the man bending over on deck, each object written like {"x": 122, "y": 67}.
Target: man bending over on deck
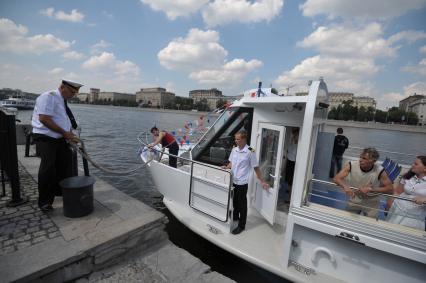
{"x": 241, "y": 161}
{"x": 369, "y": 178}
{"x": 166, "y": 140}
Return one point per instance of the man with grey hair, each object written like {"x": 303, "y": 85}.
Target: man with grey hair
{"x": 369, "y": 177}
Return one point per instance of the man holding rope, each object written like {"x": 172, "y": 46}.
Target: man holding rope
{"x": 52, "y": 122}
{"x": 167, "y": 141}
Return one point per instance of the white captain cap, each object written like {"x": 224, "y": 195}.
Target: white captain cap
{"x": 72, "y": 84}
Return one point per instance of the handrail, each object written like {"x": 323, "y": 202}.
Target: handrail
{"x": 385, "y": 151}
{"x": 192, "y": 162}
{"x": 357, "y": 189}
{"x": 183, "y": 158}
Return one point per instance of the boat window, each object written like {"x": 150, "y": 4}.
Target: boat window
{"x": 216, "y": 145}
{"x": 392, "y": 210}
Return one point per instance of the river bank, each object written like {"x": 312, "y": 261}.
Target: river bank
{"x": 376, "y": 125}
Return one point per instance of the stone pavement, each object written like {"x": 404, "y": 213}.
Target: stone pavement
{"x": 24, "y": 225}
{"x": 167, "y": 264}
{"x": 122, "y": 240}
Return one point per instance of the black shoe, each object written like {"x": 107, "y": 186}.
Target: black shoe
{"x": 237, "y": 230}
{"x": 46, "y": 208}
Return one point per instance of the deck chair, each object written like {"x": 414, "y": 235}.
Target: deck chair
{"x": 393, "y": 169}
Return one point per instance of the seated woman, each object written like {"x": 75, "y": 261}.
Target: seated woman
{"x": 412, "y": 186}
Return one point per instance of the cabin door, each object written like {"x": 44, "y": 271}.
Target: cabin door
{"x": 270, "y": 153}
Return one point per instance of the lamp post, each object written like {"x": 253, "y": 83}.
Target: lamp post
{"x": 387, "y": 114}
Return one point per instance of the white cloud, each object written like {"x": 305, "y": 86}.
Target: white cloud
{"x": 14, "y": 38}
{"x": 222, "y": 12}
{"x": 107, "y": 62}
{"x": 73, "y": 55}
{"x": 201, "y": 55}
{"x": 347, "y": 57}
{"x": 200, "y": 49}
{"x": 74, "y": 16}
{"x": 99, "y": 46}
{"x": 48, "y": 12}
{"x": 417, "y": 87}
{"x": 230, "y": 73}
{"x": 56, "y": 71}
{"x": 349, "y": 41}
{"x": 409, "y": 36}
{"x": 390, "y": 99}
{"x": 341, "y": 74}
{"x": 422, "y": 49}
{"x": 376, "y": 9}
{"x": 419, "y": 69}
{"x": 175, "y": 8}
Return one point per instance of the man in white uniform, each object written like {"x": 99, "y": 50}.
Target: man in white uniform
{"x": 241, "y": 161}
{"x": 52, "y": 121}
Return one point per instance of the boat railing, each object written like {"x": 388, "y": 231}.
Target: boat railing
{"x": 331, "y": 195}
{"x": 215, "y": 196}
{"x": 355, "y": 149}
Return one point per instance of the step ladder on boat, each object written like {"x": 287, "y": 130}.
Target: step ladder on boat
{"x": 210, "y": 190}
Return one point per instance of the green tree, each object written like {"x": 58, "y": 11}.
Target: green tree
{"x": 333, "y": 114}
{"x": 380, "y": 116}
{"x": 220, "y": 103}
{"x": 412, "y": 118}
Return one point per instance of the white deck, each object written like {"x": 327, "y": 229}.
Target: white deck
{"x": 257, "y": 244}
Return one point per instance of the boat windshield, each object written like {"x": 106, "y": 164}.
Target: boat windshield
{"x": 216, "y": 145}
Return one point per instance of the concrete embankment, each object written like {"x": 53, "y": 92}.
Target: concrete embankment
{"x": 122, "y": 240}
{"x": 381, "y": 126}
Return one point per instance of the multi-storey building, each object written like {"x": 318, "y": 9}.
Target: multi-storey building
{"x": 154, "y": 97}
{"x": 212, "y": 96}
{"x": 415, "y": 103}
{"x": 364, "y": 101}
{"x": 93, "y": 95}
{"x": 114, "y": 96}
{"x": 337, "y": 98}
{"x": 405, "y": 103}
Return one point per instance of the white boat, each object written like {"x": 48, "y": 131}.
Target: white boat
{"x": 18, "y": 103}
{"x": 307, "y": 240}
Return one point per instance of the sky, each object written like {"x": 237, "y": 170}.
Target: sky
{"x": 375, "y": 48}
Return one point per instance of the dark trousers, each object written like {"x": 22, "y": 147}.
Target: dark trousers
{"x": 173, "y": 149}
{"x": 289, "y": 172}
{"x": 336, "y": 163}
{"x": 240, "y": 204}
{"x": 55, "y": 165}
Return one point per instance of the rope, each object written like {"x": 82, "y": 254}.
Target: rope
{"x": 82, "y": 151}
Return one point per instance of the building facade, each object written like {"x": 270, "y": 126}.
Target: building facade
{"x": 93, "y": 95}
{"x": 364, "y": 101}
{"x": 212, "y": 96}
{"x": 337, "y": 98}
{"x": 415, "y": 103}
{"x": 109, "y": 96}
{"x": 405, "y": 103}
{"x": 154, "y": 97}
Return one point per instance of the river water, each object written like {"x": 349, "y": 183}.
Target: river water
{"x": 110, "y": 134}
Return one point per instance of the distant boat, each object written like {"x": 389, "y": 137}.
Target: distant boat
{"x": 18, "y": 103}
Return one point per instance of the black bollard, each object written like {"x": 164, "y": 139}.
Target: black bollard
{"x": 77, "y": 195}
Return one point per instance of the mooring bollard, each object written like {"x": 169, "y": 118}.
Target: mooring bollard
{"x": 77, "y": 196}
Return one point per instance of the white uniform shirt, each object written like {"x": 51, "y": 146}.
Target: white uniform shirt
{"x": 50, "y": 103}
{"x": 242, "y": 161}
